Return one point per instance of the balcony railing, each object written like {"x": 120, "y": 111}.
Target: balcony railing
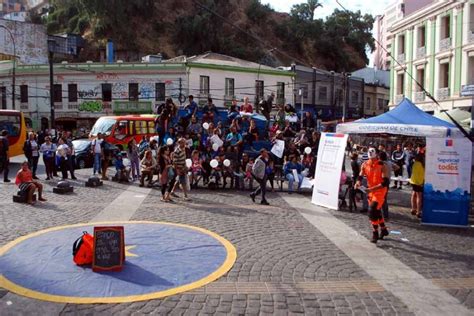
{"x": 445, "y": 44}
{"x": 420, "y": 96}
{"x": 72, "y": 106}
{"x": 401, "y": 58}
{"x": 443, "y": 93}
{"x": 58, "y": 106}
{"x": 23, "y": 106}
{"x": 421, "y": 52}
{"x": 470, "y": 36}
{"x": 399, "y": 98}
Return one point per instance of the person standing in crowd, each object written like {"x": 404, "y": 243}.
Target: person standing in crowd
{"x": 378, "y": 180}
{"x": 268, "y": 105}
{"x": 179, "y": 164}
{"x": 259, "y": 174}
{"x": 409, "y": 155}
{"x": 292, "y": 168}
{"x": 61, "y": 157}
{"x": 308, "y": 121}
{"x": 31, "y": 150}
{"x": 417, "y": 181}
{"x": 71, "y": 155}
{"x": 48, "y": 149}
{"x": 147, "y": 168}
{"x": 106, "y": 157}
{"x": 166, "y": 173}
{"x": 398, "y": 157}
{"x": 25, "y": 182}
{"x": 97, "y": 152}
{"x": 4, "y": 158}
{"x": 134, "y": 158}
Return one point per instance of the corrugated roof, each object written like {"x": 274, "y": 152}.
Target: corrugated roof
{"x": 373, "y": 76}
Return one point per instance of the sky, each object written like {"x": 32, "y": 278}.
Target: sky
{"x": 365, "y": 6}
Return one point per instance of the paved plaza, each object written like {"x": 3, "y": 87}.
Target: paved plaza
{"x": 292, "y": 257}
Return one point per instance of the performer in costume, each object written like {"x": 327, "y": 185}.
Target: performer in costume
{"x": 378, "y": 180}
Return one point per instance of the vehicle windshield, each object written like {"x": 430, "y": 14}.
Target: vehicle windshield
{"x": 80, "y": 145}
{"x": 103, "y": 125}
{"x": 10, "y": 123}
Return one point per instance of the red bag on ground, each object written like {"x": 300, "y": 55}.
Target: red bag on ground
{"x": 83, "y": 249}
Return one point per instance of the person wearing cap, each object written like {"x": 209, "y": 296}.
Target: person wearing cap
{"x": 378, "y": 180}
{"x": 4, "y": 159}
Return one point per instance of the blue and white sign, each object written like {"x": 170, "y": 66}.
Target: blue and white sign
{"x": 447, "y": 190}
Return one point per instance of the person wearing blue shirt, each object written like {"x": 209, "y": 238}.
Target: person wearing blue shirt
{"x": 191, "y": 108}
{"x": 123, "y": 173}
{"x": 234, "y": 138}
{"x": 291, "y": 165}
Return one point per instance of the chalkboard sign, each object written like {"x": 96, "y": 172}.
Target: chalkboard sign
{"x": 109, "y": 248}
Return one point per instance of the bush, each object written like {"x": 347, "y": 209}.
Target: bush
{"x": 257, "y": 12}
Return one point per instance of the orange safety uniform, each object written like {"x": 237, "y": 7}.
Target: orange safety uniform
{"x": 373, "y": 170}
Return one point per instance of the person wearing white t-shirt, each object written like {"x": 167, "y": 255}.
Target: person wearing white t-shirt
{"x": 97, "y": 152}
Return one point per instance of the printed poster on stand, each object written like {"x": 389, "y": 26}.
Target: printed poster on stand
{"x": 328, "y": 170}
{"x": 447, "y": 189}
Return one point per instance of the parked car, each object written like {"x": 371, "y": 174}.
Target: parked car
{"x": 84, "y": 157}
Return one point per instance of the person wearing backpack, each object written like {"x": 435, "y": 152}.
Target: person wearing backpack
{"x": 260, "y": 175}
{"x": 4, "y": 159}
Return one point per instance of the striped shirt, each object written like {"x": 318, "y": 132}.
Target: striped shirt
{"x": 179, "y": 158}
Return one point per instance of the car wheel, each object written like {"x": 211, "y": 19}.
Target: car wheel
{"x": 81, "y": 164}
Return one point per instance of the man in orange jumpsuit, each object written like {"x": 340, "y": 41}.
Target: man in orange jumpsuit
{"x": 378, "y": 180}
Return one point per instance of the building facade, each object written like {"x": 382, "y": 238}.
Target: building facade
{"x": 82, "y": 92}
{"x": 376, "y": 90}
{"x": 326, "y": 93}
{"x": 434, "y": 44}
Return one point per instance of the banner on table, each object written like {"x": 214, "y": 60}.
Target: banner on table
{"x": 447, "y": 190}
{"x": 328, "y": 170}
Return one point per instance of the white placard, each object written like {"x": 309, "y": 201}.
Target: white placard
{"x": 307, "y": 183}
{"x": 278, "y": 148}
{"x": 215, "y": 139}
{"x": 328, "y": 169}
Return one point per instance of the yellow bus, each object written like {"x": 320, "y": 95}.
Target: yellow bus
{"x": 14, "y": 123}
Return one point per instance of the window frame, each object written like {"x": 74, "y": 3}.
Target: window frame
{"x": 57, "y": 93}
{"x": 106, "y": 95}
{"x": 24, "y": 93}
{"x": 229, "y": 91}
{"x": 204, "y": 85}
{"x": 160, "y": 91}
{"x": 133, "y": 91}
{"x": 72, "y": 95}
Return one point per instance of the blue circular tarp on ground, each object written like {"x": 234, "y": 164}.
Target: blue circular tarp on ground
{"x": 163, "y": 259}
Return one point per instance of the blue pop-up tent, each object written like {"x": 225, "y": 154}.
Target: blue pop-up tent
{"x": 405, "y": 119}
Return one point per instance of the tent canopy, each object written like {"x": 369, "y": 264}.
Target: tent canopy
{"x": 460, "y": 116}
{"x": 405, "y": 119}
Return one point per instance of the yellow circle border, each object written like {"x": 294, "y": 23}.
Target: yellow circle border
{"x": 224, "y": 268}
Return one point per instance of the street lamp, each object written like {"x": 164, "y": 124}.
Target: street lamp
{"x": 14, "y": 65}
{"x": 51, "y": 48}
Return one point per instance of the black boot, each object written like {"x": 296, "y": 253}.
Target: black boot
{"x": 383, "y": 233}
{"x": 375, "y": 236}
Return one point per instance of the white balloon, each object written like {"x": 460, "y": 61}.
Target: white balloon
{"x": 189, "y": 163}
{"x": 169, "y": 142}
{"x": 205, "y": 125}
{"x": 215, "y": 147}
{"x": 307, "y": 150}
{"x": 227, "y": 162}
{"x": 214, "y": 163}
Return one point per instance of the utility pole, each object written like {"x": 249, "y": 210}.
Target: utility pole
{"x": 14, "y": 65}
{"x": 51, "y": 48}
{"x": 301, "y": 92}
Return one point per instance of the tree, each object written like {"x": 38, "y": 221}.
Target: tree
{"x": 305, "y": 11}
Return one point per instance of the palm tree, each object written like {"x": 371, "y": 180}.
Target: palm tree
{"x": 312, "y": 5}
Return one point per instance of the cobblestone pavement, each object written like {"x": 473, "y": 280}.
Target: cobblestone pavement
{"x": 284, "y": 265}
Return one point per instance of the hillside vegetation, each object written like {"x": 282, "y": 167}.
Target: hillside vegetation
{"x": 175, "y": 27}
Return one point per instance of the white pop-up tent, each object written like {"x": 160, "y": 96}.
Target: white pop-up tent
{"x": 405, "y": 119}
{"x": 446, "y": 199}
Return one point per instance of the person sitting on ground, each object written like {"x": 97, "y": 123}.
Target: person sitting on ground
{"x": 27, "y": 185}
{"x": 288, "y": 131}
{"x": 210, "y": 112}
{"x": 291, "y": 165}
{"x": 252, "y": 134}
{"x": 234, "y": 138}
{"x": 191, "y": 108}
{"x": 123, "y": 173}
{"x": 147, "y": 168}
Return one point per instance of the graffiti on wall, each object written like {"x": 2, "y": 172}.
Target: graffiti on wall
{"x": 91, "y": 106}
